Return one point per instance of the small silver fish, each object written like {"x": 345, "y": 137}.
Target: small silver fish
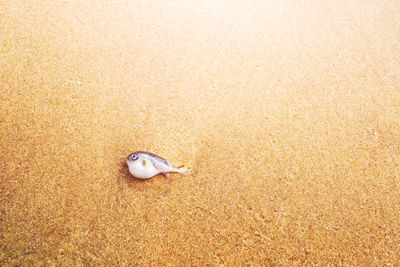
{"x": 144, "y": 165}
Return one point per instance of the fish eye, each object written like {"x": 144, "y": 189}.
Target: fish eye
{"x": 134, "y": 157}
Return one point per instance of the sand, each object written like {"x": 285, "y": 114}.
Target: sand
{"x": 287, "y": 114}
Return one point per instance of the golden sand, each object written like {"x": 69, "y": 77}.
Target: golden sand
{"x": 286, "y": 112}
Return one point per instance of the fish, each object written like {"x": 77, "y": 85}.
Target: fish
{"x": 145, "y": 165}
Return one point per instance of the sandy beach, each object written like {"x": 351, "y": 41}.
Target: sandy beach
{"x": 286, "y": 113}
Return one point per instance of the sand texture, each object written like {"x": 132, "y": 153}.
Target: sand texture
{"x": 287, "y": 114}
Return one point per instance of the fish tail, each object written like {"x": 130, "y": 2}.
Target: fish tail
{"x": 181, "y": 170}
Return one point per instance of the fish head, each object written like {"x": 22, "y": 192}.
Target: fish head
{"x": 133, "y": 160}
{"x": 140, "y": 165}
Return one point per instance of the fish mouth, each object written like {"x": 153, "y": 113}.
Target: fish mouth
{"x": 128, "y": 161}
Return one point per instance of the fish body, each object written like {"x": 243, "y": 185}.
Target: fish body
{"x": 144, "y": 165}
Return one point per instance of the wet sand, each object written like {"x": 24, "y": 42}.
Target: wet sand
{"x": 287, "y": 114}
